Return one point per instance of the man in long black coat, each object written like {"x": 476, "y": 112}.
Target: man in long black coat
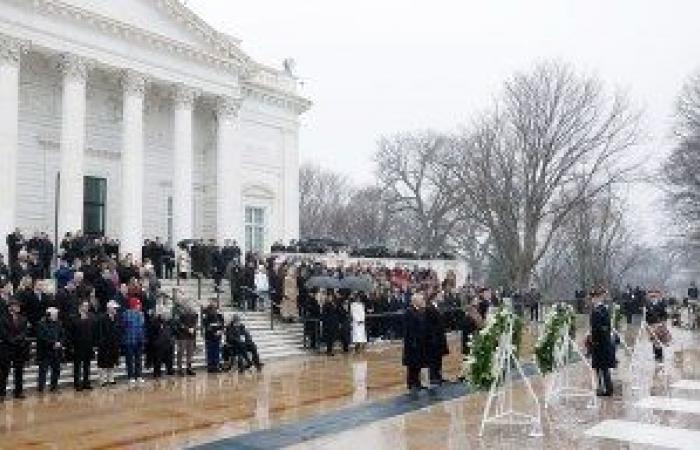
{"x": 602, "y": 347}
{"x": 414, "y": 342}
{"x": 329, "y": 319}
{"x": 14, "y": 348}
{"x": 436, "y": 341}
{"x": 51, "y": 342}
{"x": 108, "y": 340}
{"x": 83, "y": 341}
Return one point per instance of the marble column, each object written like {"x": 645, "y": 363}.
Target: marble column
{"x": 70, "y": 216}
{"x": 132, "y": 176}
{"x": 183, "y": 161}
{"x": 229, "y": 210}
{"x": 291, "y": 186}
{"x": 10, "y": 50}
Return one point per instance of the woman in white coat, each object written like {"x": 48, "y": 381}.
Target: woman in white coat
{"x": 359, "y": 333}
{"x": 262, "y": 287}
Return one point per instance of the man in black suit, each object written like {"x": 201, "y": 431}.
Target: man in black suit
{"x": 436, "y": 341}
{"x": 14, "y": 348}
{"x": 83, "y": 341}
{"x": 602, "y": 347}
{"x": 414, "y": 342}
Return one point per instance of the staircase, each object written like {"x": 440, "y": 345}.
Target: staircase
{"x": 285, "y": 340}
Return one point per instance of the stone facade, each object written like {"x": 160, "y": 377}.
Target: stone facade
{"x": 185, "y": 129}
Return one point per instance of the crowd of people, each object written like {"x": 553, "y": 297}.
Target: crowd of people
{"x": 104, "y": 307}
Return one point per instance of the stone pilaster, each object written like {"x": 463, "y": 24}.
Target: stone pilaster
{"x": 132, "y": 174}
{"x": 183, "y": 161}
{"x": 229, "y": 170}
{"x": 10, "y": 53}
{"x": 75, "y": 70}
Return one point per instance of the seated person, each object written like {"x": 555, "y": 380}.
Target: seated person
{"x": 240, "y": 348}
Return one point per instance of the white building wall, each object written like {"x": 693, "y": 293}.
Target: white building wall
{"x": 39, "y": 138}
{"x": 103, "y": 142}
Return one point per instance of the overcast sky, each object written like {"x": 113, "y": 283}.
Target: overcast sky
{"x": 383, "y": 66}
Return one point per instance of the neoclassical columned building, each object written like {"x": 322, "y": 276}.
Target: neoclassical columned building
{"x": 136, "y": 119}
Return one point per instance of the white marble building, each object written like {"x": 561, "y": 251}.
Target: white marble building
{"x": 147, "y": 122}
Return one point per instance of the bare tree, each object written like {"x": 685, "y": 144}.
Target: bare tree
{"x": 367, "y": 217}
{"x": 420, "y": 192}
{"x": 554, "y": 139}
{"x": 681, "y": 171}
{"x": 593, "y": 247}
{"x": 323, "y": 197}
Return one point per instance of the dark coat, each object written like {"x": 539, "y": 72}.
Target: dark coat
{"x": 108, "y": 339}
{"x": 163, "y": 338}
{"x": 82, "y": 337}
{"x": 237, "y": 337}
{"x": 184, "y": 321}
{"x": 468, "y": 326}
{"x": 436, "y": 340}
{"x": 329, "y": 319}
{"x": 414, "y": 342}
{"x": 602, "y": 347}
{"x": 14, "y": 345}
{"x": 50, "y": 332}
{"x": 105, "y": 291}
{"x": 656, "y": 313}
{"x": 213, "y": 324}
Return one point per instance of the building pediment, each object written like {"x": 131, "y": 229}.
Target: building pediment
{"x": 167, "y": 24}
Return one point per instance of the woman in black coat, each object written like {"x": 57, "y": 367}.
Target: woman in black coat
{"x": 414, "y": 342}
{"x": 109, "y": 338}
{"x": 602, "y": 347}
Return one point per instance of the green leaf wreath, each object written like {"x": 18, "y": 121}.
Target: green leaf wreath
{"x": 561, "y": 316}
{"x": 478, "y": 366}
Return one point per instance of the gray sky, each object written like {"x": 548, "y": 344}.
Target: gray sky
{"x": 382, "y": 66}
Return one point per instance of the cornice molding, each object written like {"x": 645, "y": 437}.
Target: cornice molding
{"x": 225, "y": 53}
{"x": 272, "y": 97}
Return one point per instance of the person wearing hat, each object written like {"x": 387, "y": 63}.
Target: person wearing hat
{"x": 109, "y": 338}
{"x": 602, "y": 346}
{"x": 14, "y": 348}
{"x": 133, "y": 339}
{"x": 51, "y": 341}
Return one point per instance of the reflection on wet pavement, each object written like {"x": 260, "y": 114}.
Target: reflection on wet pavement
{"x": 179, "y": 412}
